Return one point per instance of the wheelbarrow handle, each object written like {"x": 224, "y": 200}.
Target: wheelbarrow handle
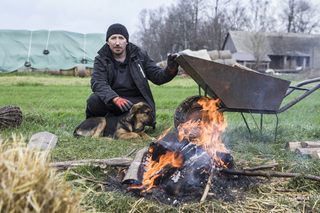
{"x": 302, "y": 83}
{"x": 302, "y": 96}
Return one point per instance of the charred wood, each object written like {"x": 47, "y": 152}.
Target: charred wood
{"x": 132, "y": 174}
{"x": 208, "y": 186}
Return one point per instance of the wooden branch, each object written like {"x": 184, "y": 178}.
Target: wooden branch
{"x": 267, "y": 174}
{"x": 110, "y": 162}
{"x": 262, "y": 167}
{"x": 208, "y": 186}
{"x": 90, "y": 178}
{"x": 285, "y": 190}
{"x": 130, "y": 153}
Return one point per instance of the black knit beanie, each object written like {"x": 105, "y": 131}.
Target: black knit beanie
{"x": 117, "y": 29}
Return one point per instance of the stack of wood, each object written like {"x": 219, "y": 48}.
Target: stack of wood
{"x": 310, "y": 148}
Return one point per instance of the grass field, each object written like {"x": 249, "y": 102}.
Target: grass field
{"x": 57, "y": 104}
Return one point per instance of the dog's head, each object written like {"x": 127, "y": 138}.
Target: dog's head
{"x": 142, "y": 113}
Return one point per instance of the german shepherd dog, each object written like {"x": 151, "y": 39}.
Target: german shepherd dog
{"x": 130, "y": 125}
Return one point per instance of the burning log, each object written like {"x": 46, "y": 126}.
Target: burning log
{"x": 133, "y": 176}
{"x": 181, "y": 159}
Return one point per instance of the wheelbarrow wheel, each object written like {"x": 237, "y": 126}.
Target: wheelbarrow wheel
{"x": 189, "y": 109}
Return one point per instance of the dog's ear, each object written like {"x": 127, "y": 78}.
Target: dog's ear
{"x": 134, "y": 109}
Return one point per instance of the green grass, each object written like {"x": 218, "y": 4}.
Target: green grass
{"x": 57, "y": 104}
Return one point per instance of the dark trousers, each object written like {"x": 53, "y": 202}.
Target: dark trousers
{"x": 97, "y": 108}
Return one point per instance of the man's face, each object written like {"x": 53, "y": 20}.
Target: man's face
{"x": 117, "y": 44}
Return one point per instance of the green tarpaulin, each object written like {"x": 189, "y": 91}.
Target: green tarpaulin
{"x": 66, "y": 49}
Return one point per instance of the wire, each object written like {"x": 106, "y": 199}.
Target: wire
{"x": 84, "y": 46}
{"x": 29, "y": 46}
{"x": 48, "y": 40}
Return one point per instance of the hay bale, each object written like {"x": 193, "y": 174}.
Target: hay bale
{"x": 199, "y": 54}
{"x": 82, "y": 71}
{"x": 10, "y": 116}
{"x": 28, "y": 184}
{"x": 162, "y": 64}
{"x": 230, "y": 61}
{"x": 225, "y": 54}
{"x": 214, "y": 54}
{"x": 220, "y": 61}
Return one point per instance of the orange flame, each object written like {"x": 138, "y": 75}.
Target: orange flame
{"x": 210, "y": 129}
{"x": 155, "y": 169}
{"x": 206, "y": 133}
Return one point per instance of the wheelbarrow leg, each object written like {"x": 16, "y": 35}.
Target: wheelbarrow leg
{"x": 260, "y": 130}
{"x": 275, "y": 134}
{"x": 245, "y": 121}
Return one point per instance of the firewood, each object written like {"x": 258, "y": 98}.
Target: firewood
{"x": 306, "y": 151}
{"x": 310, "y": 144}
{"x": 208, "y": 186}
{"x": 267, "y": 174}
{"x": 315, "y": 154}
{"x": 293, "y": 145}
{"x": 133, "y": 170}
{"x": 110, "y": 162}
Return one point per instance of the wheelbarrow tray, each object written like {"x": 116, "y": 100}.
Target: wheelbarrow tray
{"x": 236, "y": 88}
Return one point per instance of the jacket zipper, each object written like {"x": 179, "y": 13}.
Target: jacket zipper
{"x": 141, "y": 70}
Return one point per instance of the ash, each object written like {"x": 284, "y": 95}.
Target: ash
{"x": 228, "y": 188}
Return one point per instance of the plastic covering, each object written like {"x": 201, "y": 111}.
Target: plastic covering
{"x": 66, "y": 49}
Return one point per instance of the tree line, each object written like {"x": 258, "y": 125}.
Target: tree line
{"x": 204, "y": 24}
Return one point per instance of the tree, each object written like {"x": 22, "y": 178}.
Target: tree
{"x": 300, "y": 16}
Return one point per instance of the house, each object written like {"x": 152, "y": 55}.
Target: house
{"x": 282, "y": 52}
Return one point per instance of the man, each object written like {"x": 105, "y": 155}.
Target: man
{"x": 121, "y": 73}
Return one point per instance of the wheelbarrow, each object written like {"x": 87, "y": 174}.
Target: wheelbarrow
{"x": 239, "y": 90}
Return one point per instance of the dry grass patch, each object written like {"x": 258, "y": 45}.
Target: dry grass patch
{"x": 28, "y": 184}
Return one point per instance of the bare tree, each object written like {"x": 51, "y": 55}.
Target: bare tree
{"x": 261, "y": 16}
{"x": 300, "y": 16}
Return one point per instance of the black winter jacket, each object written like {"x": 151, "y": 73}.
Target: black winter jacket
{"x": 141, "y": 66}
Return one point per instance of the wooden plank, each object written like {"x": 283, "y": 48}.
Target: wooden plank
{"x": 306, "y": 151}
{"x": 315, "y": 154}
{"x": 310, "y": 144}
{"x": 293, "y": 145}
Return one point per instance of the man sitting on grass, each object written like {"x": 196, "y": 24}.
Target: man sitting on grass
{"x": 121, "y": 73}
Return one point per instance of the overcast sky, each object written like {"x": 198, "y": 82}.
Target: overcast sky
{"x": 91, "y": 16}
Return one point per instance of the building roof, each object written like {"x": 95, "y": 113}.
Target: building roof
{"x": 291, "y": 44}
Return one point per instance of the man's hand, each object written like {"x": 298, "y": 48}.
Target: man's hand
{"x": 123, "y": 104}
{"x": 172, "y": 64}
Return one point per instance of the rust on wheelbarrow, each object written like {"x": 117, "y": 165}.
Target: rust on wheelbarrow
{"x": 236, "y": 88}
